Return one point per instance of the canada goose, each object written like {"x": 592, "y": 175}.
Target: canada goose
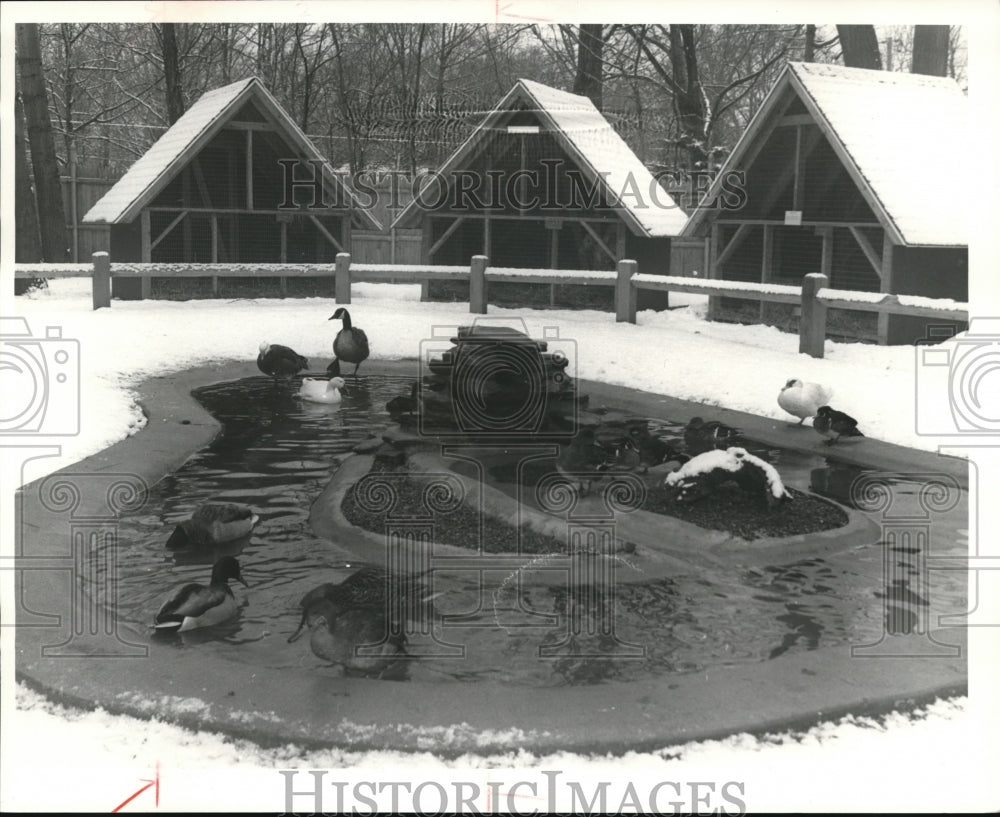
{"x": 701, "y": 435}
{"x": 351, "y": 343}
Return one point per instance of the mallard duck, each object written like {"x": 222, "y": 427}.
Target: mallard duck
{"x": 370, "y": 587}
{"x": 194, "y": 605}
{"x": 212, "y": 524}
{"x": 404, "y": 405}
{"x": 336, "y": 636}
{"x": 701, "y": 435}
{"x": 320, "y": 390}
{"x": 582, "y": 460}
{"x": 834, "y": 424}
{"x": 277, "y": 361}
{"x": 351, "y": 343}
{"x": 652, "y": 450}
{"x": 803, "y": 399}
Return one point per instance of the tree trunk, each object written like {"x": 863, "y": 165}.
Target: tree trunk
{"x": 589, "y": 80}
{"x": 172, "y": 73}
{"x": 27, "y": 247}
{"x": 809, "y": 52}
{"x": 859, "y": 46}
{"x": 689, "y": 99}
{"x": 930, "y": 50}
{"x": 48, "y": 194}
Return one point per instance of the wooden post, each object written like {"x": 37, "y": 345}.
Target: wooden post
{"x": 477, "y": 284}
{"x": 145, "y": 283}
{"x": 102, "y": 280}
{"x": 213, "y": 222}
{"x": 342, "y": 278}
{"x": 766, "y": 264}
{"x": 812, "y": 323}
{"x": 713, "y": 254}
{"x": 886, "y": 285}
{"x": 625, "y": 292}
{"x": 426, "y": 241}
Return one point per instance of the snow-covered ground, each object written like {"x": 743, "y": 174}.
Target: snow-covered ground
{"x": 674, "y": 352}
{"x": 937, "y": 760}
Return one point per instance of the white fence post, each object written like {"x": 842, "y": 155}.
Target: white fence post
{"x": 625, "y": 292}
{"x": 101, "y": 280}
{"x": 342, "y": 278}
{"x": 477, "y": 284}
{"x": 812, "y": 321}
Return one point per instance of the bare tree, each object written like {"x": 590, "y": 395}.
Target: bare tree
{"x": 48, "y": 194}
{"x": 589, "y": 80}
{"x": 172, "y": 71}
{"x": 930, "y": 50}
{"x": 27, "y": 247}
{"x": 859, "y": 47}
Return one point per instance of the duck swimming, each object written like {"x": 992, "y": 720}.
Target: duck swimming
{"x": 336, "y": 635}
{"x": 277, "y": 361}
{"x": 803, "y": 399}
{"x": 581, "y": 459}
{"x": 371, "y": 588}
{"x": 701, "y": 435}
{"x": 320, "y": 390}
{"x": 402, "y": 404}
{"x": 212, "y": 524}
{"x": 834, "y": 424}
{"x": 194, "y": 605}
{"x": 351, "y": 343}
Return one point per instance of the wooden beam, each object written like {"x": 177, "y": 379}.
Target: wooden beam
{"x": 325, "y": 232}
{"x": 146, "y": 283}
{"x": 868, "y": 250}
{"x": 199, "y": 178}
{"x": 599, "y": 241}
{"x": 712, "y": 270}
{"x": 795, "y": 119}
{"x": 451, "y": 228}
{"x": 234, "y": 124}
{"x": 886, "y": 286}
{"x": 213, "y": 224}
{"x": 166, "y": 232}
{"x": 826, "y": 258}
{"x": 733, "y": 244}
{"x": 799, "y": 184}
{"x": 249, "y": 170}
{"x": 767, "y": 262}
{"x": 487, "y": 238}
{"x": 787, "y": 174}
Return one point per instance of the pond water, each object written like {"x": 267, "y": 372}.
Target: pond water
{"x": 277, "y": 453}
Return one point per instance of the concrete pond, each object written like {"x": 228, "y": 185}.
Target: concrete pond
{"x": 713, "y": 634}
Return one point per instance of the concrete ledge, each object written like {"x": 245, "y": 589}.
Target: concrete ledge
{"x": 72, "y": 649}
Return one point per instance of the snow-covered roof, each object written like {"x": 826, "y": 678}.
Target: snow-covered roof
{"x": 903, "y": 138}
{"x": 595, "y": 146}
{"x": 174, "y": 149}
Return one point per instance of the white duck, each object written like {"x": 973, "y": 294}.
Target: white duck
{"x": 321, "y": 390}
{"x": 803, "y": 399}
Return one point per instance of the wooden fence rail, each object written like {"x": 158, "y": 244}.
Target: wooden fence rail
{"x": 814, "y": 296}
